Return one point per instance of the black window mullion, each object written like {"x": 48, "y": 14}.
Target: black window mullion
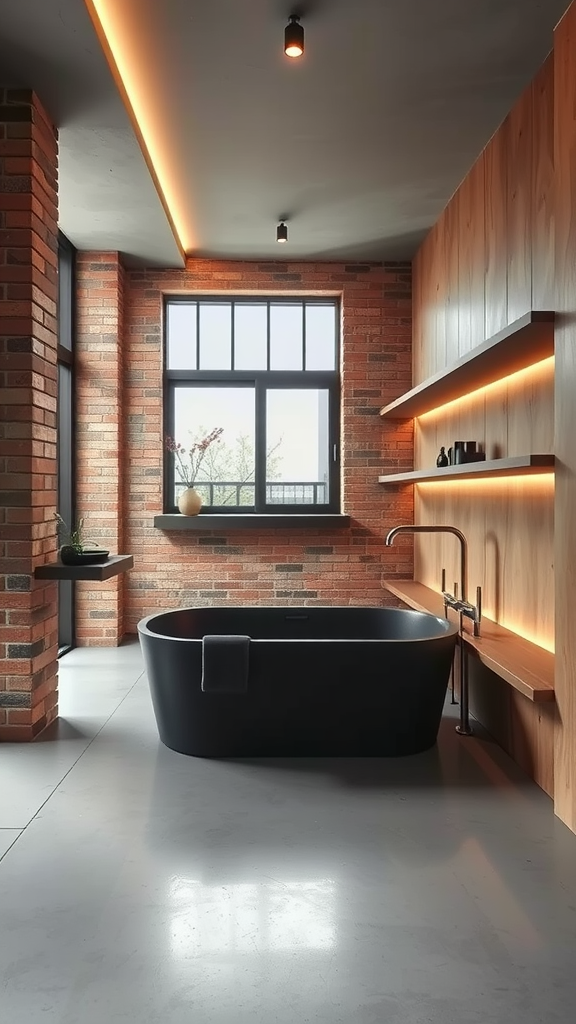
{"x": 268, "y": 335}
{"x": 66, "y": 409}
{"x": 334, "y": 442}
{"x": 303, "y": 335}
{"x": 233, "y": 335}
{"x": 260, "y": 435}
{"x": 198, "y": 335}
{"x": 169, "y": 429}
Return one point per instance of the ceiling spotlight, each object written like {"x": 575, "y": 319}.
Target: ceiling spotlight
{"x": 294, "y": 37}
{"x": 282, "y": 232}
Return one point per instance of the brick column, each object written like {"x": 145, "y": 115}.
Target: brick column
{"x": 28, "y": 380}
{"x": 101, "y": 457}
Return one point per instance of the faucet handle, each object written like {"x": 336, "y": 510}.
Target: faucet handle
{"x": 455, "y": 591}
{"x": 443, "y": 585}
{"x": 479, "y": 603}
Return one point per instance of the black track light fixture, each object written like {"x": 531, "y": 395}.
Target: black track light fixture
{"x": 294, "y": 37}
{"x": 282, "y": 232}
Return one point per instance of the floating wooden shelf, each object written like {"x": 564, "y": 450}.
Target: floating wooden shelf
{"x": 528, "y": 340}
{"x": 113, "y": 566}
{"x": 516, "y": 465}
{"x": 524, "y": 665}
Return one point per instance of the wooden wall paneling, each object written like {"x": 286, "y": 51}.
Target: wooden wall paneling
{"x": 565, "y": 414}
{"x": 526, "y": 536}
{"x": 463, "y": 202}
{"x": 495, "y": 498}
{"x": 478, "y": 252}
{"x": 532, "y": 729}
{"x": 424, "y": 365}
{"x": 496, "y": 421}
{"x": 530, "y": 397}
{"x": 495, "y": 228}
{"x": 431, "y": 502}
{"x": 486, "y": 270}
{"x": 519, "y": 206}
{"x": 543, "y": 288}
{"x": 440, "y": 287}
{"x": 427, "y": 443}
{"x": 432, "y": 319}
{"x": 471, "y": 199}
{"x": 449, "y": 546}
{"x": 451, "y": 263}
{"x": 470, "y": 517}
{"x": 417, "y": 316}
{"x": 541, "y": 495}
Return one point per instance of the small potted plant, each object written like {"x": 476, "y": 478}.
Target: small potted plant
{"x": 73, "y": 550}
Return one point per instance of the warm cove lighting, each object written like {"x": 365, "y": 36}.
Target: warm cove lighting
{"x": 129, "y": 72}
{"x": 522, "y": 378}
{"x": 539, "y": 483}
{"x": 546, "y": 643}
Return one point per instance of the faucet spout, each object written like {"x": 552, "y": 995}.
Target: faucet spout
{"x": 439, "y": 529}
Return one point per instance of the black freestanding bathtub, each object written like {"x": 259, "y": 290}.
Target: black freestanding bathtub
{"x": 297, "y": 682}
{"x": 282, "y": 682}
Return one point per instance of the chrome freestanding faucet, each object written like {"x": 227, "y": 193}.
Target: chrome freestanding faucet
{"x": 460, "y": 604}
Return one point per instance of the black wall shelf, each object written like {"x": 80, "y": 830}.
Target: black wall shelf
{"x": 113, "y": 566}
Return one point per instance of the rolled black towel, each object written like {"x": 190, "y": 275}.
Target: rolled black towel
{"x": 225, "y": 663}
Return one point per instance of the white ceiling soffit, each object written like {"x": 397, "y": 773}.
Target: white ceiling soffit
{"x": 107, "y": 199}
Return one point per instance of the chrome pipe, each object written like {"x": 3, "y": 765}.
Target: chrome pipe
{"x": 439, "y": 529}
{"x": 464, "y": 725}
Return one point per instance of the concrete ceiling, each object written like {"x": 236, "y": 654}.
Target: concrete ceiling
{"x": 359, "y": 145}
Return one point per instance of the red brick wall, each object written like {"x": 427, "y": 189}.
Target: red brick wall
{"x": 28, "y": 293}
{"x": 101, "y": 467}
{"x": 274, "y": 566}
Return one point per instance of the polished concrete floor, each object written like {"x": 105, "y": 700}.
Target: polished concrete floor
{"x": 138, "y": 885}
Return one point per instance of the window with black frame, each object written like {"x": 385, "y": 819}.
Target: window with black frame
{"x": 262, "y": 375}
{"x": 65, "y": 445}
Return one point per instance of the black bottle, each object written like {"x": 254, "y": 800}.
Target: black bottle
{"x": 459, "y": 453}
{"x": 442, "y": 459}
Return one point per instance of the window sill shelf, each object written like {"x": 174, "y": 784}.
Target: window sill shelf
{"x": 249, "y": 521}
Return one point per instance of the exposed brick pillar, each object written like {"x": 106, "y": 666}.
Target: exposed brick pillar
{"x": 101, "y": 456}
{"x": 28, "y": 381}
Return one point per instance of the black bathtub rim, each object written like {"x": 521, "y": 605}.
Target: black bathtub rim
{"x": 450, "y": 628}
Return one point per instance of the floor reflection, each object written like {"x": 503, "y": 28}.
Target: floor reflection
{"x": 274, "y": 915}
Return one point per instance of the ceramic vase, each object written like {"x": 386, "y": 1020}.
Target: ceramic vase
{"x": 189, "y": 502}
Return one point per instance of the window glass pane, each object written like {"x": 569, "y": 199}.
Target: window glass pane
{"x": 285, "y": 337}
{"x": 225, "y": 475}
{"x": 320, "y": 338}
{"x": 215, "y": 336}
{"x": 297, "y": 446}
{"x": 250, "y": 327}
{"x": 181, "y": 336}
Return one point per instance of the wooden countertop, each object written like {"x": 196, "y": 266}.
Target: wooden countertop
{"x": 524, "y": 665}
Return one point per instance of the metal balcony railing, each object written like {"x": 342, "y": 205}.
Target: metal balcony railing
{"x": 236, "y": 493}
